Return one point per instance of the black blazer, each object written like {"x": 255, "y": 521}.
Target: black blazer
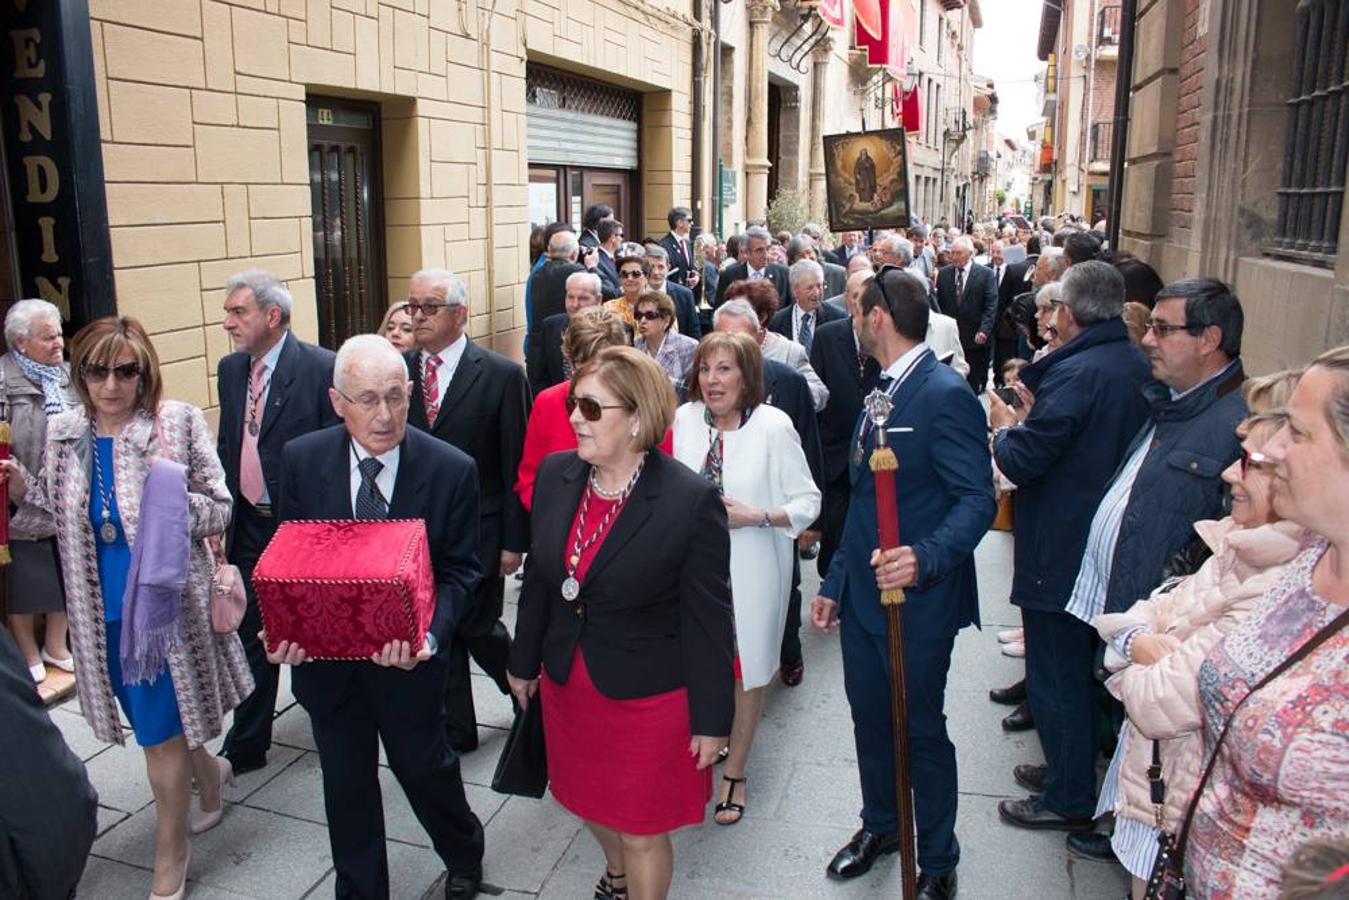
{"x": 607, "y": 268}
{"x": 782, "y": 319}
{"x": 484, "y": 414}
{"x": 774, "y": 272}
{"x": 833, "y": 356}
{"x": 977, "y": 309}
{"x": 1013, "y": 282}
{"x": 656, "y": 602}
{"x": 544, "y": 362}
{"x": 686, "y": 310}
{"x": 435, "y": 483}
{"x": 297, "y": 403}
{"x": 680, "y": 265}
{"x": 548, "y": 291}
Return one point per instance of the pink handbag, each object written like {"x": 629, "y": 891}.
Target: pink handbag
{"x": 228, "y": 599}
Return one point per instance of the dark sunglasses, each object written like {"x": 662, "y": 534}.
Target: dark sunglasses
{"x": 591, "y": 409}
{"x": 429, "y": 310}
{"x": 1255, "y": 460}
{"x": 649, "y": 314}
{"x": 631, "y": 273}
{"x": 97, "y": 372}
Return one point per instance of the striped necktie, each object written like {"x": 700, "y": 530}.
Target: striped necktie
{"x": 370, "y": 503}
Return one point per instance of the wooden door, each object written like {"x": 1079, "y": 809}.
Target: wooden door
{"x": 344, "y": 183}
{"x": 613, "y": 187}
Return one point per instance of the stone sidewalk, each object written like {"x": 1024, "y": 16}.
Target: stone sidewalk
{"x": 803, "y": 803}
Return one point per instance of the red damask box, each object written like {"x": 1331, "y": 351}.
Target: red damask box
{"x": 344, "y": 588}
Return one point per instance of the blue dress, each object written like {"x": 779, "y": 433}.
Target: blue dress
{"x": 152, "y": 709}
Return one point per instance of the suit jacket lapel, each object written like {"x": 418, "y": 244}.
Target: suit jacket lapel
{"x": 465, "y": 374}
{"x": 409, "y": 485}
{"x": 279, "y": 390}
{"x": 337, "y": 490}
{"x": 913, "y": 384}
{"x": 233, "y": 418}
{"x": 554, "y": 521}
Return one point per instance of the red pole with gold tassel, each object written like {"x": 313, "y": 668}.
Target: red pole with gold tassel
{"x": 884, "y": 464}
{"x": 6, "y": 436}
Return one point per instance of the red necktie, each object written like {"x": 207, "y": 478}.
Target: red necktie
{"x": 431, "y": 390}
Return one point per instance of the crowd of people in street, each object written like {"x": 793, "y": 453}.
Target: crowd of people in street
{"x": 686, "y": 433}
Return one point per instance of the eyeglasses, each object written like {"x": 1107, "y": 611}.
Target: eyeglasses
{"x": 98, "y": 373}
{"x": 1162, "y": 329}
{"x": 369, "y": 402}
{"x": 649, "y": 315}
{"x": 630, "y": 273}
{"x": 1255, "y": 460}
{"x": 591, "y": 409}
{"x": 425, "y": 309}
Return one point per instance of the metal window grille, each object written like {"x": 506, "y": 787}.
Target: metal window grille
{"x": 1102, "y": 137}
{"x": 1108, "y": 26}
{"x": 555, "y": 89}
{"x": 1316, "y": 149}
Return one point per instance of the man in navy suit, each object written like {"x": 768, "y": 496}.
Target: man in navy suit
{"x": 946, "y": 503}
{"x": 660, "y": 278}
{"x": 274, "y": 387}
{"x": 678, "y": 247}
{"x": 610, "y": 233}
{"x": 754, "y": 266}
{"x": 808, "y": 311}
{"x": 375, "y": 467}
{"x": 968, "y": 293}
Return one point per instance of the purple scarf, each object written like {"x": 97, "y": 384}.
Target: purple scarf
{"x": 158, "y": 574}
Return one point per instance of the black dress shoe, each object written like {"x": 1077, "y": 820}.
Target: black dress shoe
{"x": 793, "y": 672}
{"x": 1018, "y": 719}
{"x": 462, "y": 887}
{"x": 1091, "y": 845}
{"x": 1009, "y": 696}
{"x": 937, "y": 887}
{"x": 1032, "y": 778}
{"x": 860, "y": 853}
{"x": 463, "y": 741}
{"x": 1032, "y": 813}
{"x": 246, "y": 762}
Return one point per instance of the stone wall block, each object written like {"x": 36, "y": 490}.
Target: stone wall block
{"x": 151, "y": 244}
{"x": 1152, "y": 127}
{"x": 273, "y": 236}
{"x": 367, "y": 53}
{"x": 278, "y": 201}
{"x": 135, "y": 162}
{"x": 294, "y": 142}
{"x": 238, "y": 239}
{"x": 213, "y": 108}
{"x": 314, "y": 66}
{"x": 216, "y": 272}
{"x": 173, "y": 346}
{"x": 319, "y": 23}
{"x": 237, "y": 154}
{"x": 186, "y": 380}
{"x": 257, "y": 112}
{"x": 260, "y": 45}
{"x": 135, "y": 54}
{"x": 164, "y": 298}
{"x": 175, "y": 16}
{"x": 343, "y": 31}
{"x": 218, "y": 38}
{"x": 148, "y": 114}
{"x": 153, "y": 204}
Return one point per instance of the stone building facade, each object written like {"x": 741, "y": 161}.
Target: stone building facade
{"x": 1232, "y": 170}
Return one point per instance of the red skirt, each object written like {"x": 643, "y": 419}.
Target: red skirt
{"x": 623, "y": 764}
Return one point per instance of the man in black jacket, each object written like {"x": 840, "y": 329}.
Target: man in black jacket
{"x": 478, "y": 401}
{"x": 753, "y": 264}
{"x": 678, "y": 246}
{"x": 546, "y": 365}
{"x": 273, "y": 388}
{"x": 548, "y": 286}
{"x": 606, "y": 266}
{"x": 590, "y": 223}
{"x": 807, "y": 311}
{"x": 686, "y": 311}
{"x": 48, "y": 808}
{"x": 967, "y": 293}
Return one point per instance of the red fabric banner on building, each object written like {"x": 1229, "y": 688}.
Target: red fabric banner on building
{"x": 832, "y": 12}
{"x": 871, "y": 18}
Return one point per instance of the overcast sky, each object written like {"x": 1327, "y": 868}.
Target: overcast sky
{"x": 1004, "y": 50}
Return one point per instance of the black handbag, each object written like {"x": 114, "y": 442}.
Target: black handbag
{"x": 523, "y": 767}
{"x": 1167, "y": 881}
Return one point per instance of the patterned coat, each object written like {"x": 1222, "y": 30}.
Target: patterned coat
{"x": 210, "y": 673}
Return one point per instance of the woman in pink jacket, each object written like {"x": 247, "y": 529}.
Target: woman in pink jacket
{"x": 1160, "y": 642}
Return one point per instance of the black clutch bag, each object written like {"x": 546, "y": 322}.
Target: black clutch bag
{"x": 523, "y": 767}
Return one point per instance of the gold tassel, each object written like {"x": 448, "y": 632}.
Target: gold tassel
{"x": 6, "y": 436}
{"x": 883, "y": 460}
{"x": 893, "y": 597}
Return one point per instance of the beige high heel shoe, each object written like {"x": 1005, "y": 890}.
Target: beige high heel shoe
{"x": 202, "y": 820}
{"x": 182, "y": 888}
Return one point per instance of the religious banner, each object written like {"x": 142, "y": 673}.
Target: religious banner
{"x": 867, "y": 180}
{"x": 832, "y": 12}
{"x": 870, "y": 18}
{"x": 54, "y": 158}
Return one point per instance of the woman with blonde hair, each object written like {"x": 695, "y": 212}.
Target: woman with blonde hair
{"x": 132, "y": 485}
{"x": 397, "y": 326}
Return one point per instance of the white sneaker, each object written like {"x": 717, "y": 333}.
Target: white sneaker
{"x": 1011, "y": 634}
{"x": 39, "y": 672}
{"x": 1015, "y": 649}
{"x": 65, "y": 665}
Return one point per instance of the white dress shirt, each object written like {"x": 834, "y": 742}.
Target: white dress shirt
{"x": 386, "y": 478}
{"x": 449, "y": 364}
{"x": 797, "y": 314}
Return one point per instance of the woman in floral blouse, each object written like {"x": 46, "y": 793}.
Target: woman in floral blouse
{"x": 1282, "y": 776}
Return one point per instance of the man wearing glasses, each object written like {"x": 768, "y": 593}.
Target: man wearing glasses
{"x": 273, "y": 388}
{"x": 1087, "y": 408}
{"x": 478, "y": 401}
{"x": 1170, "y": 477}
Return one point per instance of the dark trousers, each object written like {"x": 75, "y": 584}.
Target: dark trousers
{"x": 350, "y": 717}
{"x": 1060, "y": 654}
{"x": 251, "y": 731}
{"x": 835, "y": 514}
{"x": 932, "y": 756}
{"x": 1004, "y": 348}
{"x": 791, "y": 632}
{"x": 977, "y": 357}
{"x": 482, "y": 636}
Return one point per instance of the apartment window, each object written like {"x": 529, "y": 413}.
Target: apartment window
{"x": 941, "y": 36}
{"x": 1316, "y": 150}
{"x": 922, "y": 23}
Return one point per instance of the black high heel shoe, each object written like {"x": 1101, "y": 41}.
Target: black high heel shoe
{"x": 605, "y": 890}
{"x": 727, "y": 806}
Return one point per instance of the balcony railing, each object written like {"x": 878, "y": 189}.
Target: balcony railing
{"x": 1102, "y": 138}
{"x": 1108, "y": 26}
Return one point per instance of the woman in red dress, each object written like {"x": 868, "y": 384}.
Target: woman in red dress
{"x": 624, "y": 627}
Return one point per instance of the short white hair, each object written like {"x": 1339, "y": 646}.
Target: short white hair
{"x": 26, "y": 315}
{"x": 368, "y": 350}
{"x": 804, "y": 268}
{"x": 562, "y": 245}
{"x": 758, "y": 233}
{"x": 964, "y": 243}
{"x": 589, "y": 279}
{"x": 456, "y": 291}
{"x": 267, "y": 290}
{"x": 899, "y": 246}
{"x": 739, "y": 309}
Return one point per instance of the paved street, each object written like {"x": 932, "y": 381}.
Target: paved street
{"x": 803, "y": 803}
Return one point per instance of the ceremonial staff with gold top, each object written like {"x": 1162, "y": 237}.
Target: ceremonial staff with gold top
{"x": 6, "y": 437}
{"x": 900, "y": 591}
